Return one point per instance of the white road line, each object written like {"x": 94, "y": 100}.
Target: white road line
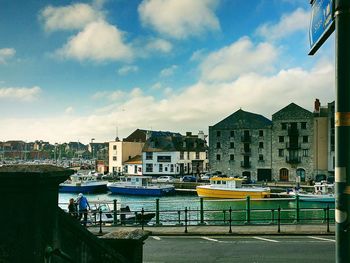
{"x": 156, "y": 238}
{"x": 210, "y": 239}
{"x": 323, "y": 239}
{"x": 266, "y": 239}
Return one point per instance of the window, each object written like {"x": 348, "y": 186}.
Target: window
{"x": 218, "y": 157}
{"x": 181, "y": 155}
{"x": 165, "y": 169}
{"x": 261, "y": 144}
{"x": 171, "y": 168}
{"x": 280, "y": 138}
{"x": 149, "y": 167}
{"x": 303, "y": 125}
{"x": 114, "y": 147}
{"x": 232, "y": 157}
{"x": 261, "y": 133}
{"x": 261, "y": 157}
{"x": 149, "y": 155}
{"x": 218, "y": 145}
{"x": 114, "y": 158}
{"x": 164, "y": 159}
{"x": 218, "y": 133}
{"x": 232, "y": 145}
{"x": 305, "y": 139}
{"x": 197, "y": 155}
{"x": 232, "y": 134}
{"x": 284, "y": 126}
{"x": 135, "y": 169}
{"x": 160, "y": 167}
{"x": 280, "y": 152}
{"x": 305, "y": 152}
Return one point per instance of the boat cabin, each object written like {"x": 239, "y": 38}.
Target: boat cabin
{"x": 226, "y": 182}
{"x": 323, "y": 188}
{"x": 136, "y": 180}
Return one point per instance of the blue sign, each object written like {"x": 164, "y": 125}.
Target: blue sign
{"x": 322, "y": 23}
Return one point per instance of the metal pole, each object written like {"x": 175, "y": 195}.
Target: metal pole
{"x": 201, "y": 211}
{"x": 185, "y": 219}
{"x": 230, "y": 231}
{"x": 342, "y": 130}
{"x": 115, "y": 219}
{"x": 157, "y": 212}
{"x": 297, "y": 211}
{"x": 248, "y": 209}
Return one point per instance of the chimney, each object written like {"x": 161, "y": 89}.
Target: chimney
{"x": 188, "y": 134}
{"x": 317, "y": 106}
{"x": 201, "y": 135}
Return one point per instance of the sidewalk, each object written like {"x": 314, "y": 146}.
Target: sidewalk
{"x": 223, "y": 230}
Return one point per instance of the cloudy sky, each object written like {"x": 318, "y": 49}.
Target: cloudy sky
{"x": 76, "y": 70}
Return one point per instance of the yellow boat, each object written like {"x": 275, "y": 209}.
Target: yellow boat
{"x": 227, "y": 187}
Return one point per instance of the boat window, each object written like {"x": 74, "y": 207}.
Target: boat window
{"x": 223, "y": 182}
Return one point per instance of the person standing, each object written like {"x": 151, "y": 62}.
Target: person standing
{"x": 72, "y": 208}
{"x": 83, "y": 205}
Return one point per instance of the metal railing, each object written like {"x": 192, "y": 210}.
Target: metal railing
{"x": 199, "y": 216}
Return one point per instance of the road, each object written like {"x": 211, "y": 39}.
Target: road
{"x": 259, "y": 249}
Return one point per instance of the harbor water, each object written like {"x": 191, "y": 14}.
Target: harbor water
{"x": 172, "y": 208}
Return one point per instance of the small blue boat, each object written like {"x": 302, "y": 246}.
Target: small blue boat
{"x": 323, "y": 192}
{"x": 140, "y": 185}
{"x": 80, "y": 183}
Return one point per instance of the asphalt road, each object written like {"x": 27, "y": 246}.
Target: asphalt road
{"x": 259, "y": 249}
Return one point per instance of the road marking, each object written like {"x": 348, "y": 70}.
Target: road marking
{"x": 156, "y": 238}
{"x": 324, "y": 239}
{"x": 210, "y": 239}
{"x": 266, "y": 239}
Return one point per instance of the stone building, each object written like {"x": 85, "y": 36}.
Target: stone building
{"x": 292, "y": 144}
{"x": 240, "y": 145}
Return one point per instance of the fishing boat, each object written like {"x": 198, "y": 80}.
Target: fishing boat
{"x": 323, "y": 192}
{"x": 140, "y": 185}
{"x": 227, "y": 187}
{"x": 83, "y": 183}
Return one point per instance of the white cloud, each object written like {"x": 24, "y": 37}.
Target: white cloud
{"x": 5, "y": 54}
{"x": 109, "y": 95}
{"x": 128, "y": 69}
{"x": 179, "y": 18}
{"x": 288, "y": 24}
{"x": 70, "y": 17}
{"x": 159, "y": 45}
{"x": 20, "y": 93}
{"x": 238, "y": 58}
{"x": 167, "y": 72}
{"x": 99, "y": 41}
{"x": 69, "y": 110}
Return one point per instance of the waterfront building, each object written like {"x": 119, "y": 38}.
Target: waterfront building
{"x": 133, "y": 166}
{"x": 174, "y": 154}
{"x": 240, "y": 145}
{"x": 292, "y": 144}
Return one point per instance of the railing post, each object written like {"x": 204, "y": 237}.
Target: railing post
{"x": 201, "y": 211}
{"x": 297, "y": 211}
{"x": 247, "y": 210}
{"x": 279, "y": 219}
{"x": 179, "y": 217}
{"x": 272, "y": 216}
{"x": 100, "y": 212}
{"x": 186, "y": 219}
{"x": 142, "y": 217}
{"x": 115, "y": 212}
{"x": 230, "y": 220}
{"x": 327, "y": 218}
{"x": 157, "y": 212}
{"x": 224, "y": 212}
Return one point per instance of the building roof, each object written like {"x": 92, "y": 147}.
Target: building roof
{"x": 140, "y": 135}
{"x": 243, "y": 120}
{"x": 134, "y": 160}
{"x": 292, "y": 112}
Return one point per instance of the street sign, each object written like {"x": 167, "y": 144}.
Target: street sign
{"x": 322, "y": 23}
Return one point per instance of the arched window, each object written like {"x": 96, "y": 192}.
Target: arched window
{"x": 301, "y": 174}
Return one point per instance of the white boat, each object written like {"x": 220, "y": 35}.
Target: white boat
{"x": 83, "y": 183}
{"x": 227, "y": 187}
{"x": 323, "y": 192}
{"x": 140, "y": 185}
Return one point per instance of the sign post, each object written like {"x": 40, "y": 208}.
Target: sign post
{"x": 342, "y": 130}
{"x": 328, "y": 15}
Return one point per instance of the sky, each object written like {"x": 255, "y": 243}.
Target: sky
{"x": 82, "y": 70}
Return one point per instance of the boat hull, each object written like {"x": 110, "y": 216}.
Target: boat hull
{"x": 317, "y": 198}
{"x": 141, "y": 191}
{"x": 229, "y": 193}
{"x": 98, "y": 188}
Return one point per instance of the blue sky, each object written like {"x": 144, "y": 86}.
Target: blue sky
{"x": 76, "y": 70}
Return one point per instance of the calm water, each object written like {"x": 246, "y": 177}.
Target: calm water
{"x": 172, "y": 208}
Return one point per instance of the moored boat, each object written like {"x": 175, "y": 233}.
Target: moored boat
{"x": 140, "y": 185}
{"x": 323, "y": 192}
{"x": 82, "y": 183}
{"x": 227, "y": 187}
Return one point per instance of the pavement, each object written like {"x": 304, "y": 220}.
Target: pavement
{"x": 199, "y": 230}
